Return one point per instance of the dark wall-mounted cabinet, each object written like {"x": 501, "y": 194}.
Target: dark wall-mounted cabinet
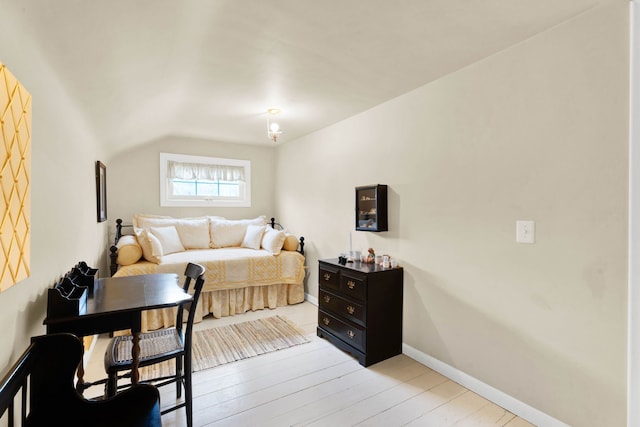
{"x": 371, "y": 208}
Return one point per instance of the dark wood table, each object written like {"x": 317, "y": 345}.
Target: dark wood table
{"x": 117, "y": 304}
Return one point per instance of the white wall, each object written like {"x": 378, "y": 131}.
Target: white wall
{"x": 64, "y": 229}
{"x": 633, "y": 362}
{"x": 539, "y": 132}
{"x": 133, "y": 178}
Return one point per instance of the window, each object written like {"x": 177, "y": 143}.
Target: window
{"x": 204, "y": 181}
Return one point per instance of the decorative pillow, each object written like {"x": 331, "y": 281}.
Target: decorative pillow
{"x": 227, "y": 232}
{"x": 169, "y": 240}
{"x": 273, "y": 240}
{"x": 143, "y": 240}
{"x": 156, "y": 246}
{"x": 290, "y": 243}
{"x": 146, "y": 221}
{"x": 194, "y": 233}
{"x": 129, "y": 251}
{"x": 253, "y": 237}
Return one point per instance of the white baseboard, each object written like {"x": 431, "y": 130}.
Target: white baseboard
{"x": 313, "y": 300}
{"x": 496, "y": 396}
{"x": 507, "y": 402}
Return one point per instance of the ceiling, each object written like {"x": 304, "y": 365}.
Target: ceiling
{"x": 144, "y": 69}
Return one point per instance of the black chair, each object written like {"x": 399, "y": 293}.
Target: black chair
{"x": 44, "y": 377}
{"x": 159, "y": 346}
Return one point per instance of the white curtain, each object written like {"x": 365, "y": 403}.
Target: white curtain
{"x": 204, "y": 172}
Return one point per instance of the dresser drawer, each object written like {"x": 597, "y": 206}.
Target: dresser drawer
{"x": 353, "y": 286}
{"x": 329, "y": 277}
{"x": 342, "y": 307}
{"x": 352, "y": 335}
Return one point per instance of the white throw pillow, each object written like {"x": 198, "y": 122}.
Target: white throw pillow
{"x": 156, "y": 246}
{"x": 253, "y": 237}
{"x": 226, "y": 233}
{"x": 145, "y": 243}
{"x": 169, "y": 240}
{"x": 146, "y": 221}
{"x": 273, "y": 240}
{"x": 194, "y": 233}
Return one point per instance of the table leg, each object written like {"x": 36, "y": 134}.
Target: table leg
{"x": 135, "y": 357}
{"x": 136, "y": 327}
{"x": 80, "y": 383}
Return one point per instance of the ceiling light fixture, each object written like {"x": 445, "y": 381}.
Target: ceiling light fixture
{"x": 273, "y": 128}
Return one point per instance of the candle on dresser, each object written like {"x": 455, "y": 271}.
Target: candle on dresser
{"x": 350, "y": 248}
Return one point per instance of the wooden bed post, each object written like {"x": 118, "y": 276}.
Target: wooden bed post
{"x": 300, "y": 241}
{"x": 113, "y": 249}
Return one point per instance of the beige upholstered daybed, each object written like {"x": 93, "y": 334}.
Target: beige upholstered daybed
{"x": 250, "y": 264}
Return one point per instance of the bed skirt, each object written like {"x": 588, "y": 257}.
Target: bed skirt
{"x": 229, "y": 302}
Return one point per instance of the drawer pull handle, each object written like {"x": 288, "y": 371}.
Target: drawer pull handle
{"x": 351, "y": 284}
{"x": 350, "y": 309}
{"x": 327, "y": 276}
{"x": 326, "y": 321}
{"x": 351, "y": 334}
{"x": 327, "y": 298}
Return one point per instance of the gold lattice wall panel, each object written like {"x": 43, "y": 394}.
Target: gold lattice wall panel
{"x": 15, "y": 176}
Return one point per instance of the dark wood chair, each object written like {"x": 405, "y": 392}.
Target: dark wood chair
{"x": 162, "y": 345}
{"x": 38, "y": 390}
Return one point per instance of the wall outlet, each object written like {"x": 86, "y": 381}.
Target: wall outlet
{"x": 525, "y": 231}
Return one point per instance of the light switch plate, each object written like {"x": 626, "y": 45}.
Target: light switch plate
{"x": 525, "y": 231}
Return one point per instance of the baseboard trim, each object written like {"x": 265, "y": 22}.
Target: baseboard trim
{"x": 498, "y": 397}
{"x": 510, "y": 403}
{"x": 313, "y": 300}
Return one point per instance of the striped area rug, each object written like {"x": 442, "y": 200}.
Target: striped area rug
{"x": 225, "y": 344}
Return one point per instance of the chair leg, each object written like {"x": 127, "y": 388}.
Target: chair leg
{"x": 188, "y": 395}
{"x": 112, "y": 384}
{"x": 179, "y": 376}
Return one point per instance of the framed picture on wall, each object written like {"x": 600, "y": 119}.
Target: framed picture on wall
{"x": 101, "y": 191}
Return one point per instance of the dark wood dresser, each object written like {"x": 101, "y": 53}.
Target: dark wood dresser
{"x": 360, "y": 309}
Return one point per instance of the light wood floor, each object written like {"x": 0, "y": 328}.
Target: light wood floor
{"x": 316, "y": 384}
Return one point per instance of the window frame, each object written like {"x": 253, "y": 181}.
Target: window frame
{"x": 165, "y": 194}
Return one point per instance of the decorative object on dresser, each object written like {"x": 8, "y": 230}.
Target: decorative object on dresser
{"x": 360, "y": 309}
{"x": 371, "y": 208}
{"x": 250, "y": 264}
